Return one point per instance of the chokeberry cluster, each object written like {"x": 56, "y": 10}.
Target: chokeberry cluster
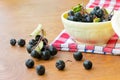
{"x": 80, "y": 14}
{"x": 40, "y": 49}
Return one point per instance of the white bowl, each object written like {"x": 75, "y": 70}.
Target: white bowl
{"x": 88, "y": 33}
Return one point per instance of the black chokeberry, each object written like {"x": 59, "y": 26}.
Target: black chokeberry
{"x": 21, "y": 42}
{"x": 37, "y": 37}
{"x": 45, "y": 55}
{"x": 13, "y": 42}
{"x": 72, "y": 18}
{"x": 40, "y": 69}
{"x": 99, "y": 13}
{"x": 53, "y": 50}
{"x": 32, "y": 42}
{"x": 29, "y": 63}
{"x": 70, "y": 13}
{"x": 87, "y": 64}
{"x": 96, "y": 8}
{"x": 44, "y": 48}
{"x": 78, "y": 16}
{"x": 77, "y": 56}
{"x": 89, "y": 18}
{"x": 29, "y": 48}
{"x": 60, "y": 64}
{"x": 35, "y": 54}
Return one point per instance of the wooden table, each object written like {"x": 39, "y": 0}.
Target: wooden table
{"x": 18, "y": 18}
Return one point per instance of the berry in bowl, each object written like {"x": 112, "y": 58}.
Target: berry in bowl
{"x": 88, "y": 26}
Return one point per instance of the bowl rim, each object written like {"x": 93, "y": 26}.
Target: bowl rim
{"x": 62, "y": 17}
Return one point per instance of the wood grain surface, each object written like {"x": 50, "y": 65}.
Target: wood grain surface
{"x": 18, "y": 18}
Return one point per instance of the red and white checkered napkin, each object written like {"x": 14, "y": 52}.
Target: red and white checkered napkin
{"x": 64, "y": 42}
{"x": 109, "y": 4}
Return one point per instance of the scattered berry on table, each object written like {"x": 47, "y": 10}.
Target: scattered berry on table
{"x": 87, "y": 64}
{"x": 78, "y": 56}
{"x": 60, "y": 64}
{"x": 40, "y": 69}
{"x": 21, "y": 42}
{"x": 13, "y": 42}
{"x": 29, "y": 63}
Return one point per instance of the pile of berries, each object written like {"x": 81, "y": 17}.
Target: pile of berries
{"x": 38, "y": 48}
{"x": 80, "y": 14}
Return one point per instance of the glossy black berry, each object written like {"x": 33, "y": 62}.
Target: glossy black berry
{"x": 45, "y": 47}
{"x": 92, "y": 12}
{"x": 78, "y": 16}
{"x": 13, "y": 42}
{"x": 99, "y": 13}
{"x": 87, "y": 64}
{"x": 35, "y": 54}
{"x": 89, "y": 18}
{"x": 84, "y": 18}
{"x": 29, "y": 48}
{"x": 38, "y": 37}
{"x": 45, "y": 55}
{"x": 53, "y": 50}
{"x": 96, "y": 8}
{"x": 33, "y": 42}
{"x": 21, "y": 42}
{"x": 40, "y": 69}
{"x": 77, "y": 56}
{"x": 29, "y": 63}
{"x": 60, "y": 64}
{"x": 70, "y": 13}
{"x": 72, "y": 18}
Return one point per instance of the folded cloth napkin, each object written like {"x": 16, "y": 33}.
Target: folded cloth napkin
{"x": 65, "y": 42}
{"x": 109, "y": 4}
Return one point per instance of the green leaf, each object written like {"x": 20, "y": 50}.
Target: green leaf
{"x": 96, "y": 20}
{"x": 77, "y": 8}
{"x": 39, "y": 46}
{"x": 36, "y": 31}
